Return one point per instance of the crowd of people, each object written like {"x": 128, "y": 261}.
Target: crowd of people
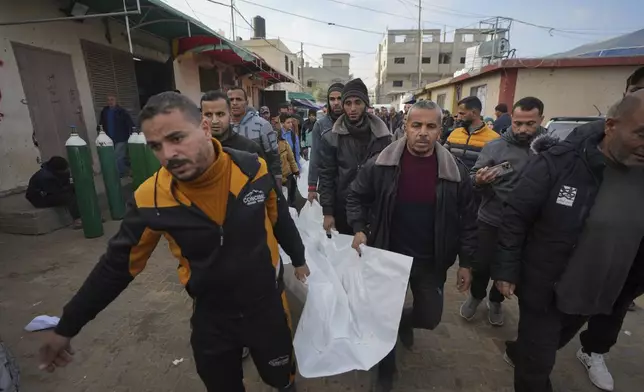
{"x": 559, "y": 223}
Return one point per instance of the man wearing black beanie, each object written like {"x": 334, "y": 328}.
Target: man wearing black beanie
{"x": 355, "y": 137}
{"x": 334, "y": 105}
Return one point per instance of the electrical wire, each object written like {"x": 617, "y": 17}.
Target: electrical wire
{"x": 291, "y": 39}
{"x": 386, "y": 12}
{"x": 379, "y": 33}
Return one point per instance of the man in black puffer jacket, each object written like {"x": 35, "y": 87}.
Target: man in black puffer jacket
{"x": 604, "y": 329}
{"x": 355, "y": 137}
{"x": 571, "y": 238}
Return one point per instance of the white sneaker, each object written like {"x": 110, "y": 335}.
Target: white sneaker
{"x": 597, "y": 370}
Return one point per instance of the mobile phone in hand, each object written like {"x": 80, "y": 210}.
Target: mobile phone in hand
{"x": 502, "y": 169}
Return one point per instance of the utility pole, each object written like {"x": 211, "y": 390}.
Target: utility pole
{"x": 379, "y": 70}
{"x": 232, "y": 19}
{"x": 420, "y": 45}
{"x": 302, "y": 65}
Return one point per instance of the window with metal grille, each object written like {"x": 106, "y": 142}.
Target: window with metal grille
{"x": 399, "y": 60}
{"x": 427, "y": 60}
{"x": 440, "y": 100}
{"x": 397, "y": 83}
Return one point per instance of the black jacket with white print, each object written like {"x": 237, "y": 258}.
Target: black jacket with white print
{"x": 545, "y": 214}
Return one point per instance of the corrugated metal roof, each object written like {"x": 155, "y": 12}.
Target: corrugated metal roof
{"x": 631, "y": 44}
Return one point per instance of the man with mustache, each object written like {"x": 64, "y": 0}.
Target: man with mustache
{"x": 222, "y": 215}
{"x": 215, "y": 107}
{"x": 355, "y": 137}
{"x": 415, "y": 198}
{"x": 512, "y": 152}
{"x": 247, "y": 122}
{"x": 334, "y": 105}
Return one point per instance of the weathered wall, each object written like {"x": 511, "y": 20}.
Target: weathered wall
{"x": 493, "y": 81}
{"x": 449, "y": 97}
{"x": 19, "y": 156}
{"x": 186, "y": 76}
{"x": 574, "y": 91}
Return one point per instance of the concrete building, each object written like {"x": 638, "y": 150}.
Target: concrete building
{"x": 397, "y": 59}
{"x": 279, "y": 57}
{"x": 335, "y": 68}
{"x": 567, "y": 86}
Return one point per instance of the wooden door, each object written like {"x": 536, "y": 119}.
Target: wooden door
{"x": 52, "y": 97}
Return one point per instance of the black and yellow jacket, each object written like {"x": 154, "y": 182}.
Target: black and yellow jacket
{"x": 467, "y": 146}
{"x": 223, "y": 228}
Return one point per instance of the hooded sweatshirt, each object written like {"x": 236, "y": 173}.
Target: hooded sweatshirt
{"x": 509, "y": 149}
{"x": 255, "y": 128}
{"x": 321, "y": 125}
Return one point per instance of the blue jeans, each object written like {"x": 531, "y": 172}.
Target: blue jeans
{"x": 120, "y": 150}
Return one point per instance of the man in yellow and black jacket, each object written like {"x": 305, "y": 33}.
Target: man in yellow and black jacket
{"x": 467, "y": 141}
{"x": 222, "y": 215}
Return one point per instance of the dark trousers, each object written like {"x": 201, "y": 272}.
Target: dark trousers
{"x": 291, "y": 185}
{"x": 541, "y": 333}
{"x": 217, "y": 342}
{"x": 341, "y": 224}
{"x": 427, "y": 309}
{"x": 603, "y": 329}
{"x": 487, "y": 248}
{"x": 65, "y": 199}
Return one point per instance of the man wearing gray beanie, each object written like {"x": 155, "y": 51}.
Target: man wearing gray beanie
{"x": 355, "y": 137}
{"x": 334, "y": 105}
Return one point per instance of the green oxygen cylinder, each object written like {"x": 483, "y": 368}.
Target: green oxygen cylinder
{"x": 111, "y": 178}
{"x": 136, "y": 149}
{"x": 152, "y": 163}
{"x": 80, "y": 162}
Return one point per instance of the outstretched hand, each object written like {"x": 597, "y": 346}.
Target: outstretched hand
{"x": 55, "y": 352}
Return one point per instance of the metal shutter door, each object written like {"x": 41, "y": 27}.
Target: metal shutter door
{"x": 125, "y": 75}
{"x": 111, "y": 71}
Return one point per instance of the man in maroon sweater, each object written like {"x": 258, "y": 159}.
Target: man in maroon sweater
{"x": 415, "y": 198}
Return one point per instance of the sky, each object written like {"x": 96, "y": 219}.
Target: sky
{"x": 562, "y": 24}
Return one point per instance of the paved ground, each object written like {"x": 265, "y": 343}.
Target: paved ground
{"x": 131, "y": 346}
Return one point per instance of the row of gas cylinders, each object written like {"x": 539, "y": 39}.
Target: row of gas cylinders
{"x": 143, "y": 165}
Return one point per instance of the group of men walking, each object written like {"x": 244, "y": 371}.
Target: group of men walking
{"x": 557, "y": 222}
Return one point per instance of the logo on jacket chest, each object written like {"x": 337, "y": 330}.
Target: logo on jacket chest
{"x": 567, "y": 195}
{"x": 254, "y": 197}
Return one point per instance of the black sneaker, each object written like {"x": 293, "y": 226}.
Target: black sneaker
{"x": 406, "y": 335}
{"x": 509, "y": 355}
{"x": 385, "y": 383}
{"x": 406, "y": 330}
{"x": 290, "y": 388}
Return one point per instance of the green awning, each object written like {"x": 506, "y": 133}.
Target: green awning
{"x": 299, "y": 95}
{"x": 156, "y": 17}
